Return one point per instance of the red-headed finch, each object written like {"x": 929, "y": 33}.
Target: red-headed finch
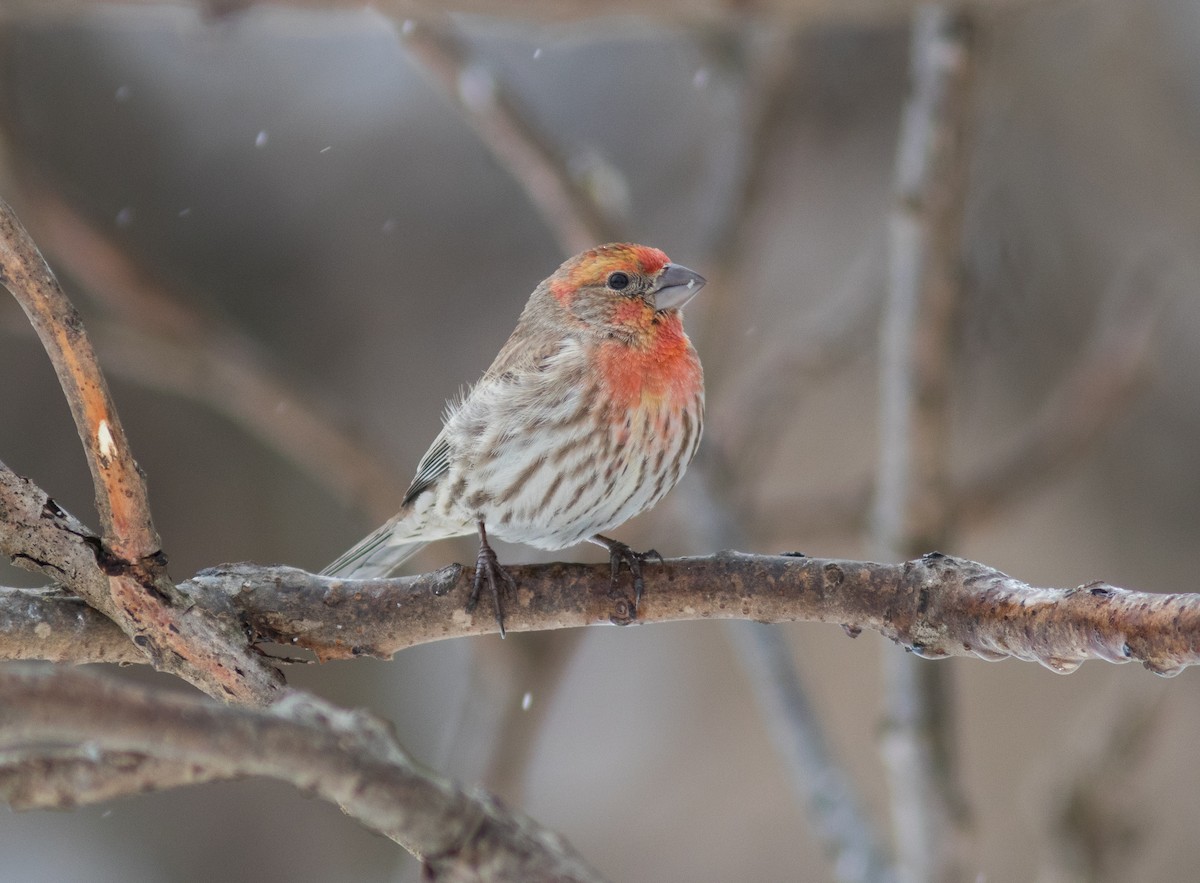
{"x": 589, "y": 415}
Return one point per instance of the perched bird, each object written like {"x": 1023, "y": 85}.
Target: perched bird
{"x": 588, "y": 416}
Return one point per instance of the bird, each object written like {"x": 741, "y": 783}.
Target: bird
{"x": 588, "y": 416}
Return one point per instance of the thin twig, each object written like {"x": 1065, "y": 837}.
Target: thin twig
{"x": 120, "y": 491}
{"x": 348, "y": 758}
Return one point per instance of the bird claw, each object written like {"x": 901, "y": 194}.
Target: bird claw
{"x": 488, "y": 569}
{"x": 619, "y": 553}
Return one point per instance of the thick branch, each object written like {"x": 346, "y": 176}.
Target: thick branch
{"x": 349, "y": 758}
{"x": 936, "y": 605}
{"x": 56, "y": 626}
{"x": 36, "y": 533}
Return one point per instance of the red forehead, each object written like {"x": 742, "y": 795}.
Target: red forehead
{"x": 594, "y": 265}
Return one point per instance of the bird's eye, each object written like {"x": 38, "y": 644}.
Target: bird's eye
{"x": 618, "y": 281}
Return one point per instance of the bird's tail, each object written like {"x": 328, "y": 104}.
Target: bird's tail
{"x": 375, "y": 555}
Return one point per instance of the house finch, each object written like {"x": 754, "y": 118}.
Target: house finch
{"x": 588, "y": 416}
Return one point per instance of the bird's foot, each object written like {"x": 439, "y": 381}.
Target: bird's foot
{"x": 618, "y": 554}
{"x": 488, "y": 569}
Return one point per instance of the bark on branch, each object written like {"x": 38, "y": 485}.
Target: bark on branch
{"x": 936, "y": 605}
{"x": 67, "y": 737}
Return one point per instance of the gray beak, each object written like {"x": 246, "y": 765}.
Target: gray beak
{"x": 676, "y": 286}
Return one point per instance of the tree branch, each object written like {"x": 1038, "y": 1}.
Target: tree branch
{"x": 120, "y": 490}
{"x": 134, "y": 588}
{"x": 141, "y": 740}
{"x": 936, "y": 605}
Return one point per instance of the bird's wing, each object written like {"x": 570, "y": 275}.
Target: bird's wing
{"x": 433, "y": 466}
{"x": 514, "y": 367}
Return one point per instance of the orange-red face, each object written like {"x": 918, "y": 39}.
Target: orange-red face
{"x": 624, "y": 289}
{"x": 631, "y": 295}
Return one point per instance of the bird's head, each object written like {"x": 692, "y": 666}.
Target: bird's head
{"x": 624, "y": 290}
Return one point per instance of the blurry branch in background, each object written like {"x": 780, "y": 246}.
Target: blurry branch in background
{"x": 752, "y": 404}
{"x": 714, "y": 507}
{"x": 769, "y": 67}
{"x": 839, "y": 822}
{"x": 131, "y": 585}
{"x": 1088, "y": 828}
{"x": 161, "y": 342}
{"x": 1095, "y": 392}
{"x": 120, "y": 739}
{"x": 743, "y": 421}
{"x": 573, "y": 216}
{"x": 929, "y": 815}
{"x": 1110, "y": 369}
{"x": 672, "y": 12}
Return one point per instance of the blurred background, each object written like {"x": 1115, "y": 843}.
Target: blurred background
{"x": 294, "y": 234}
